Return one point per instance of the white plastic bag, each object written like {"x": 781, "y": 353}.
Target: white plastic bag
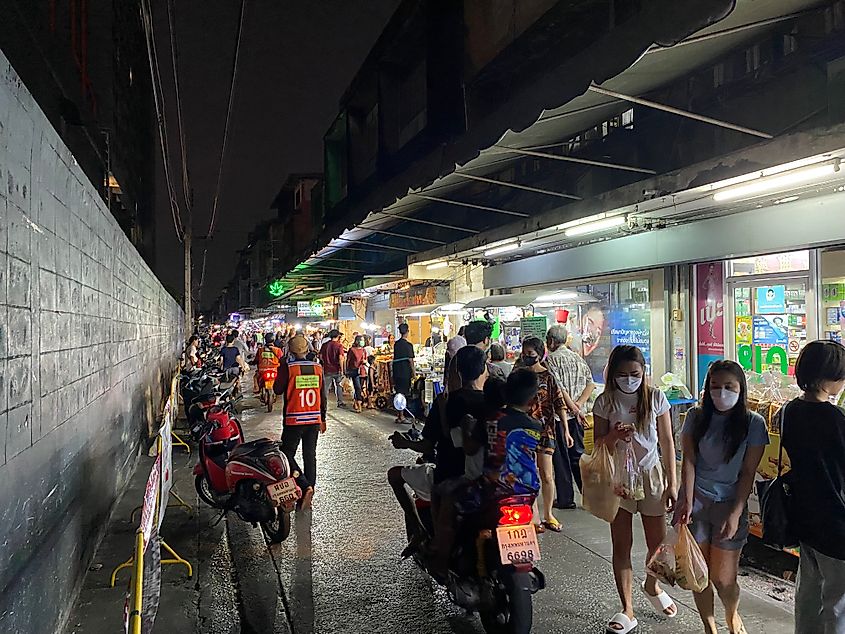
{"x": 597, "y": 478}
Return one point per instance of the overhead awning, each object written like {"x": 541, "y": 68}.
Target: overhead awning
{"x": 418, "y": 311}
{"x": 551, "y": 297}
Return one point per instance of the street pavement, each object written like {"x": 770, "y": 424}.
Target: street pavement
{"x": 340, "y": 572}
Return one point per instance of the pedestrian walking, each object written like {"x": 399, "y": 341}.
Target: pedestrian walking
{"x": 631, "y": 411}
{"x": 723, "y": 443}
{"x": 573, "y": 375}
{"x": 813, "y": 438}
{"x": 302, "y": 384}
{"x": 331, "y": 356}
{"x": 403, "y": 367}
{"x": 356, "y": 370}
{"x": 550, "y": 402}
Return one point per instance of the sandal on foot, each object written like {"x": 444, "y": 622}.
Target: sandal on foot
{"x": 540, "y": 528}
{"x": 661, "y": 602}
{"x": 621, "y": 619}
{"x": 553, "y": 525}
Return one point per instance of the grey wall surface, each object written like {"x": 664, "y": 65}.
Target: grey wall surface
{"x": 88, "y": 336}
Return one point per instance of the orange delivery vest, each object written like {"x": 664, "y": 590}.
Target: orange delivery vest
{"x": 303, "y": 399}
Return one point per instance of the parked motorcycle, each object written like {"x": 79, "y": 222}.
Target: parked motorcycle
{"x": 252, "y": 479}
{"x": 492, "y": 567}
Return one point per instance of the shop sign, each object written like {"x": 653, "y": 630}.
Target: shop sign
{"x": 710, "y": 308}
{"x": 761, "y": 357}
{"x": 833, "y": 292}
{"x": 310, "y": 309}
{"x": 769, "y": 330}
{"x": 533, "y": 327}
{"x": 419, "y": 296}
{"x": 632, "y": 327}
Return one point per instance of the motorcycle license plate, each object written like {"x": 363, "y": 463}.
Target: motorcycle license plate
{"x": 518, "y": 544}
{"x": 283, "y": 491}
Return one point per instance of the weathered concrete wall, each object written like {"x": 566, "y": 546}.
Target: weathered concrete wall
{"x": 87, "y": 335}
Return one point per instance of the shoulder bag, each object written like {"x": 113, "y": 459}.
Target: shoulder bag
{"x": 776, "y": 502}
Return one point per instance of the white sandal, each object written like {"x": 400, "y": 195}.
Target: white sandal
{"x": 620, "y": 618}
{"x": 661, "y": 602}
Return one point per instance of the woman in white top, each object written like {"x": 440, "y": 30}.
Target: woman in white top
{"x": 630, "y": 411}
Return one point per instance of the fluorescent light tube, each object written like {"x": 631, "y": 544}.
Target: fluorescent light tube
{"x": 783, "y": 181}
{"x": 437, "y": 265}
{"x": 594, "y": 227}
{"x": 502, "y": 249}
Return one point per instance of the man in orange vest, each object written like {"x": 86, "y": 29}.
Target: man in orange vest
{"x": 301, "y": 383}
{"x": 268, "y": 358}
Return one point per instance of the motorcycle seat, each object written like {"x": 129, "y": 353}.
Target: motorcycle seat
{"x": 253, "y": 446}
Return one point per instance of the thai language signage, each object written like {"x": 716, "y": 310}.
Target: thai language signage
{"x": 709, "y": 316}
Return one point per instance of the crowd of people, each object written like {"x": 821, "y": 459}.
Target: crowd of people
{"x": 723, "y": 442}
{"x": 542, "y": 396}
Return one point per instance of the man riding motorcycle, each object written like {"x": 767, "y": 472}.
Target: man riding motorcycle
{"x": 268, "y": 358}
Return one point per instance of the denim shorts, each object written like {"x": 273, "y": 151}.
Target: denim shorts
{"x": 707, "y": 518}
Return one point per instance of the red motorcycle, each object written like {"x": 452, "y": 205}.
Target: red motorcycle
{"x": 251, "y": 479}
{"x": 267, "y": 377}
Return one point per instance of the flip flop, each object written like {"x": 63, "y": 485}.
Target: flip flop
{"x": 540, "y": 528}
{"x": 661, "y": 602}
{"x": 553, "y": 525}
{"x": 620, "y": 618}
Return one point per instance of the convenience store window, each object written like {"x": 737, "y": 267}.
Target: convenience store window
{"x": 833, "y": 294}
{"x": 772, "y": 307}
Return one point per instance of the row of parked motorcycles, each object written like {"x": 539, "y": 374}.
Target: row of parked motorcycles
{"x": 251, "y": 479}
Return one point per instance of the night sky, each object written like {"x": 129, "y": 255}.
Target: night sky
{"x": 296, "y": 60}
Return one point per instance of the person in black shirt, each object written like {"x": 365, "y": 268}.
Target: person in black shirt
{"x": 468, "y": 401}
{"x": 403, "y": 366}
{"x": 813, "y": 438}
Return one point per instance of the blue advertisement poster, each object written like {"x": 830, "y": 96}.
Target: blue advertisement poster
{"x": 632, "y": 326}
{"x": 771, "y": 300}
{"x": 769, "y": 329}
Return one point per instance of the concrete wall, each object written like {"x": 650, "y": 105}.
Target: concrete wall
{"x": 87, "y": 336}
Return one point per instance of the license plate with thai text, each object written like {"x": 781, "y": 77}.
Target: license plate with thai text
{"x": 518, "y": 544}
{"x": 283, "y": 491}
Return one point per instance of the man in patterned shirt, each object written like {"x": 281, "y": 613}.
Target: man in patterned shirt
{"x": 573, "y": 375}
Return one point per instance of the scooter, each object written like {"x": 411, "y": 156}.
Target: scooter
{"x": 267, "y": 377}
{"x": 492, "y": 567}
{"x": 251, "y": 479}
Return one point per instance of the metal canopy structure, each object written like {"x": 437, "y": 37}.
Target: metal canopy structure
{"x": 421, "y": 218}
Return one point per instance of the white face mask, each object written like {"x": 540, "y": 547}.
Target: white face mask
{"x": 629, "y": 384}
{"x": 723, "y": 399}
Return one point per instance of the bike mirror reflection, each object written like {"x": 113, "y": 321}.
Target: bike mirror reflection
{"x": 400, "y": 402}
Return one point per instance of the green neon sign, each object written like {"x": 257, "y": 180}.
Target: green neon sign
{"x": 276, "y": 288}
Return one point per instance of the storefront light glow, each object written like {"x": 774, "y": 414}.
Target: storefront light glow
{"x": 596, "y": 226}
{"x": 493, "y": 245}
{"x": 774, "y": 184}
{"x": 505, "y": 248}
{"x": 298, "y": 326}
{"x": 451, "y": 308}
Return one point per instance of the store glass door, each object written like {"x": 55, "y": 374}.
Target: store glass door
{"x": 773, "y": 318}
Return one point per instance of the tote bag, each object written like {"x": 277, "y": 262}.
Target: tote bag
{"x": 775, "y": 502}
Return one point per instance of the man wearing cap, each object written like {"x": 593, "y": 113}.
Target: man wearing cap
{"x": 331, "y": 356}
{"x": 302, "y": 384}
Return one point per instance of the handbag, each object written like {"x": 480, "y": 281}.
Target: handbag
{"x": 776, "y": 503}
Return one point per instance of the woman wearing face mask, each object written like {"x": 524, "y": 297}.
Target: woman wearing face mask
{"x": 814, "y": 440}
{"x": 630, "y": 411}
{"x": 551, "y": 401}
{"x": 723, "y": 444}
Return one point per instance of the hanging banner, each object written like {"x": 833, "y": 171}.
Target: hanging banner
{"x": 709, "y": 304}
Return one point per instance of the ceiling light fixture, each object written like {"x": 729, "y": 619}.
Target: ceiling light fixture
{"x": 773, "y": 184}
{"x": 595, "y": 227}
{"x": 557, "y": 297}
{"x": 495, "y": 244}
{"x": 505, "y": 248}
{"x": 437, "y": 265}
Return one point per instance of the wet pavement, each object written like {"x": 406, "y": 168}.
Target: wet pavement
{"x": 340, "y": 572}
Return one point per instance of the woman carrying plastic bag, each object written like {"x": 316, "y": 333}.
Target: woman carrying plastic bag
{"x": 597, "y": 477}
{"x": 723, "y": 443}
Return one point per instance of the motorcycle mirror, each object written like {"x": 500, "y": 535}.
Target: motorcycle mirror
{"x": 400, "y": 402}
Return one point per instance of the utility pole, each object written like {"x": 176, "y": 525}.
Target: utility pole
{"x": 189, "y": 317}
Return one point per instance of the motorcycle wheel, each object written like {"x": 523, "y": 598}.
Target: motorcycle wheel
{"x": 519, "y": 613}
{"x": 277, "y": 530}
{"x": 204, "y": 490}
{"x": 268, "y": 397}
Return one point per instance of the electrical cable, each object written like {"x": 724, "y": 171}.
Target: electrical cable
{"x": 174, "y": 56}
